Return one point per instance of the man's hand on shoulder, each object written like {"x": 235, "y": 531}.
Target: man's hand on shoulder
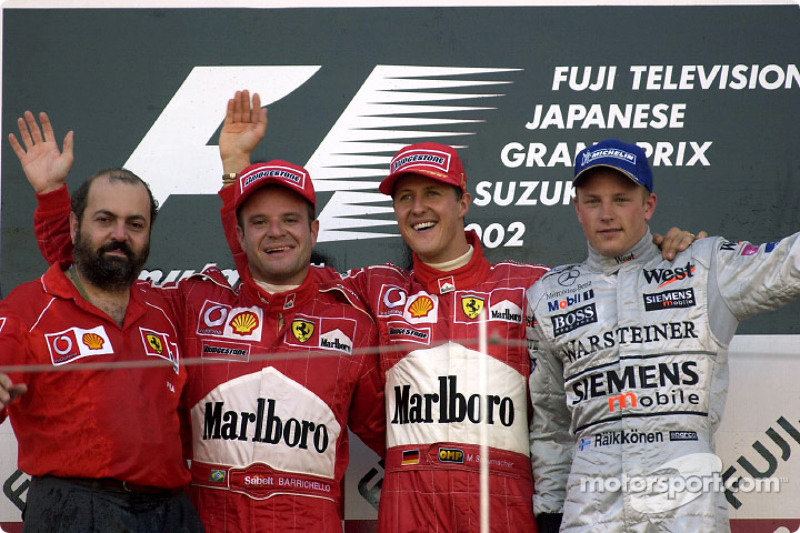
{"x": 675, "y": 241}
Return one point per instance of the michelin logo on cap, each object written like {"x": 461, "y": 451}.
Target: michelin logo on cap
{"x": 588, "y": 157}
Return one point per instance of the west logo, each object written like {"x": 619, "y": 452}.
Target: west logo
{"x": 664, "y": 276}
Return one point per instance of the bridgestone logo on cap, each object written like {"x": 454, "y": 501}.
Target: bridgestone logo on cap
{"x": 606, "y": 152}
{"x": 286, "y": 175}
{"x": 438, "y": 160}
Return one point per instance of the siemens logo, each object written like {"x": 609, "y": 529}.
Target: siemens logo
{"x": 669, "y": 300}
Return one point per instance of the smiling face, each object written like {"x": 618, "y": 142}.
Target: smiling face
{"x": 613, "y": 211}
{"x": 430, "y": 215}
{"x": 277, "y": 234}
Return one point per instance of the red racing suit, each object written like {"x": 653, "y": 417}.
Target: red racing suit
{"x": 429, "y": 325}
{"x": 120, "y": 420}
{"x": 278, "y": 378}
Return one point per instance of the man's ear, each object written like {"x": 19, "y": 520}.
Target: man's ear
{"x": 73, "y": 227}
{"x": 240, "y": 236}
{"x": 463, "y": 204}
{"x": 650, "y": 206}
{"x": 314, "y": 232}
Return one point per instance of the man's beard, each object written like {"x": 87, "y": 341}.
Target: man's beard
{"x": 108, "y": 272}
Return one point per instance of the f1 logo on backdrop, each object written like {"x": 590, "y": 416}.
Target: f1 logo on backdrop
{"x": 394, "y": 102}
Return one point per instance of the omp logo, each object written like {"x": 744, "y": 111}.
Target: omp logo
{"x": 451, "y": 455}
{"x": 437, "y": 103}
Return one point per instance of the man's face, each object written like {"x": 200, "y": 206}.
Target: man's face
{"x": 276, "y": 235}
{"x": 613, "y": 211}
{"x": 431, "y": 217}
{"x": 112, "y": 240}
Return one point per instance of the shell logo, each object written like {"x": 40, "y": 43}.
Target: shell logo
{"x": 244, "y": 323}
{"x": 421, "y": 307}
{"x": 93, "y": 341}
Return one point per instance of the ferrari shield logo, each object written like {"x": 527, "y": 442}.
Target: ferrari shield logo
{"x": 471, "y": 305}
{"x": 154, "y": 341}
{"x": 302, "y": 330}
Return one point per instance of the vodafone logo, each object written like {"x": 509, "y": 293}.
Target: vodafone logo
{"x": 63, "y": 345}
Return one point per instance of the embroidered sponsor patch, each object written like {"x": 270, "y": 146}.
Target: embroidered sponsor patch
{"x": 225, "y": 351}
{"x": 410, "y": 457}
{"x": 669, "y": 300}
{"x": 421, "y": 307}
{"x": 213, "y": 316}
{"x": 402, "y": 332}
{"x": 244, "y": 323}
{"x": 433, "y": 159}
{"x": 573, "y": 320}
{"x": 472, "y": 306}
{"x": 157, "y": 344}
{"x": 336, "y": 340}
{"x": 302, "y": 330}
{"x": 75, "y": 343}
{"x": 682, "y": 435}
{"x": 447, "y": 284}
{"x": 392, "y": 301}
{"x": 451, "y": 455}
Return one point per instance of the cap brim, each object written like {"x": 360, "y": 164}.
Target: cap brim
{"x": 625, "y": 173}
{"x": 387, "y": 185}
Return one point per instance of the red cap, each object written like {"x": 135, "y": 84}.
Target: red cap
{"x": 432, "y": 160}
{"x": 275, "y": 172}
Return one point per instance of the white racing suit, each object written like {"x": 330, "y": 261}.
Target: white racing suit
{"x": 629, "y": 379}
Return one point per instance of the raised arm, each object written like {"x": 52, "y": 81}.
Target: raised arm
{"x": 46, "y": 168}
{"x": 244, "y": 127}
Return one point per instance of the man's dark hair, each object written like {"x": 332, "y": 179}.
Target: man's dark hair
{"x": 459, "y": 193}
{"x": 80, "y": 198}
